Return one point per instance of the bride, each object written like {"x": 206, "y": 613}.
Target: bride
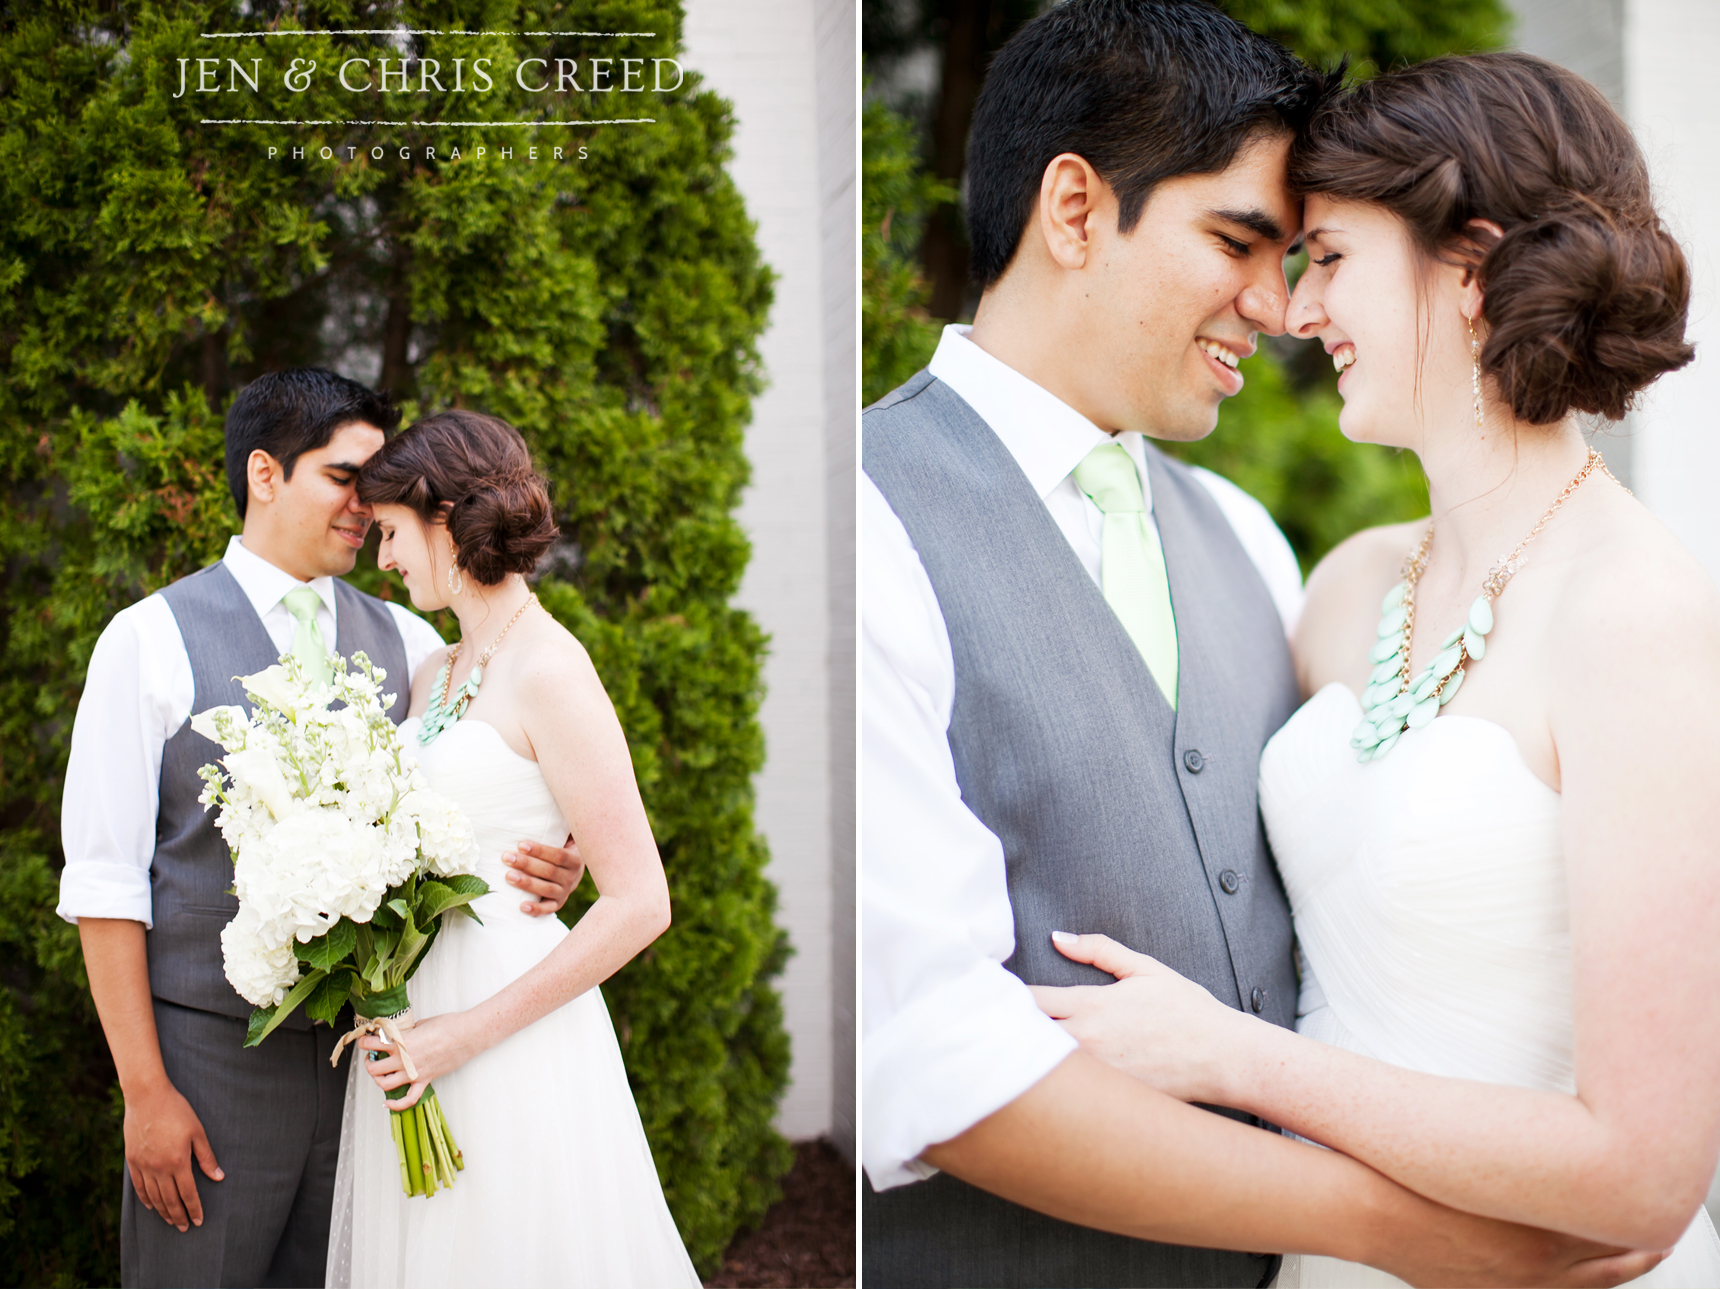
{"x": 1496, "y": 816}
{"x": 514, "y": 725}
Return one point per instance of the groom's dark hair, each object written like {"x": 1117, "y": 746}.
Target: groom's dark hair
{"x": 1145, "y": 90}
{"x": 288, "y": 413}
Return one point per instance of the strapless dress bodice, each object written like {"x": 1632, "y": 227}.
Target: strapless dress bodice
{"x": 1432, "y": 920}
{"x": 1429, "y": 892}
{"x": 503, "y": 795}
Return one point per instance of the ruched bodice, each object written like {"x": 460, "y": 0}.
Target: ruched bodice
{"x": 559, "y": 1186}
{"x": 1432, "y": 919}
{"x": 505, "y": 798}
{"x": 1429, "y": 892}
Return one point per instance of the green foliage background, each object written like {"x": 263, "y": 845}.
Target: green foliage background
{"x": 1278, "y": 439}
{"x": 150, "y": 266}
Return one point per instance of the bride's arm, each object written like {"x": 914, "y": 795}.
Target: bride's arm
{"x": 584, "y": 758}
{"x": 1629, "y": 1157}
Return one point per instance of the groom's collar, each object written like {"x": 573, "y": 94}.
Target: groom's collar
{"x": 263, "y": 583}
{"x": 1046, "y": 436}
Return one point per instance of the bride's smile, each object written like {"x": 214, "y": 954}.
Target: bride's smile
{"x": 1368, "y": 293}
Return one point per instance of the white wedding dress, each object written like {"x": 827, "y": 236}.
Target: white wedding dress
{"x": 1431, "y": 918}
{"x": 559, "y": 1187}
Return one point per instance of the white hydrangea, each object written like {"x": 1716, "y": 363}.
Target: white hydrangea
{"x": 261, "y": 974}
{"x": 444, "y": 833}
{"x": 324, "y": 811}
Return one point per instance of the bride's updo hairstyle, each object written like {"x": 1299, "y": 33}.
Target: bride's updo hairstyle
{"x": 474, "y": 473}
{"x": 1585, "y": 295}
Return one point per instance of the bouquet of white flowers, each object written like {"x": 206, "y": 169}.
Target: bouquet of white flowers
{"x": 344, "y": 862}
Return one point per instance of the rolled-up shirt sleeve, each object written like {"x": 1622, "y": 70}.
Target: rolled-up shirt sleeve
{"x": 948, "y": 1035}
{"x": 137, "y": 694}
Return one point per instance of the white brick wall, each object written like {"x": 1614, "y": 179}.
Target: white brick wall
{"x": 762, "y": 55}
{"x": 838, "y": 86}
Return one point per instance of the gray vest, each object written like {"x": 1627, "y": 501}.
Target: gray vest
{"x": 192, "y": 873}
{"x": 1117, "y": 813}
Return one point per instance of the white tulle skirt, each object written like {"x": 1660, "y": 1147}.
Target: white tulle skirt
{"x": 559, "y": 1186}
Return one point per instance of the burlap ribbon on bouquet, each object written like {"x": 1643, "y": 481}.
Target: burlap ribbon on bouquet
{"x": 393, "y": 1032}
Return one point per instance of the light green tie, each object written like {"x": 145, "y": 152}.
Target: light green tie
{"x": 1131, "y": 561}
{"x": 308, "y": 646}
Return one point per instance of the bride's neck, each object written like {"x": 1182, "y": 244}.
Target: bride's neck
{"x": 484, "y": 610}
{"x": 1486, "y": 490}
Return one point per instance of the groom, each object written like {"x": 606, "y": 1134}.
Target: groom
{"x": 1073, "y": 650}
{"x": 147, "y": 875}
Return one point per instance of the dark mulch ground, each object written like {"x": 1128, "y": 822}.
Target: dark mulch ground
{"x": 806, "y": 1240}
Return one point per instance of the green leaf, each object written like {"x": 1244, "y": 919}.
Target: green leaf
{"x": 284, "y": 1009}
{"x": 262, "y": 1021}
{"x": 326, "y": 1000}
{"x": 327, "y": 950}
{"x": 412, "y": 943}
{"x": 435, "y": 898}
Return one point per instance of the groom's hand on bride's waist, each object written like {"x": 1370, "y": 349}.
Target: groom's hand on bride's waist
{"x": 546, "y": 874}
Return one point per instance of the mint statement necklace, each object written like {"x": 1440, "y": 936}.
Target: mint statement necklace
{"x": 1392, "y": 702}
{"x": 446, "y": 709}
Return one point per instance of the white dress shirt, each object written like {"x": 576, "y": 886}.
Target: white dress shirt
{"x": 949, "y": 1036}
{"x": 137, "y": 694}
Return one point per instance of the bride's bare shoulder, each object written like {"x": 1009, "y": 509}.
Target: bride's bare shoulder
{"x": 1343, "y": 602}
{"x": 1636, "y": 586}
{"x": 555, "y": 668}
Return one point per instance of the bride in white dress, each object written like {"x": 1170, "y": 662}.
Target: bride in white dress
{"x": 559, "y": 1187}
{"x": 1507, "y": 910}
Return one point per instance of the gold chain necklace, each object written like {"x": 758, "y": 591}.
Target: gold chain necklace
{"x": 1392, "y": 702}
{"x": 446, "y": 709}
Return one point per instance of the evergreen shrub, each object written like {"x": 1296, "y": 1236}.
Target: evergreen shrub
{"x": 897, "y": 192}
{"x": 608, "y": 306}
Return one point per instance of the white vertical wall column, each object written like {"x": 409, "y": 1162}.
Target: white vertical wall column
{"x": 1670, "y": 49}
{"x": 838, "y": 186}
{"x": 760, "y": 55}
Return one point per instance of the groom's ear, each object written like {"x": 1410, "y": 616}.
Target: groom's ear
{"x": 263, "y": 474}
{"x": 1069, "y": 194}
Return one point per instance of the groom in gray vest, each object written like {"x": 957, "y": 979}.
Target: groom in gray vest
{"x": 1073, "y": 649}
{"x": 147, "y": 875}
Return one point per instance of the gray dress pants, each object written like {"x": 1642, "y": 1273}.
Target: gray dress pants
{"x": 272, "y": 1114}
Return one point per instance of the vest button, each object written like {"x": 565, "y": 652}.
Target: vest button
{"x": 1229, "y": 881}
{"x": 1257, "y": 1000}
{"x": 1194, "y": 761}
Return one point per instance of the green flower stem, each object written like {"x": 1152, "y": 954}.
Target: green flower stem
{"x": 426, "y": 1152}
{"x": 424, "y": 1145}
{"x": 414, "y": 1174}
{"x": 448, "y": 1135}
{"x": 400, "y": 1151}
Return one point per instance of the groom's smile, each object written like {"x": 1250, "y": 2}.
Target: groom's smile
{"x": 1224, "y": 357}
{"x": 1144, "y": 328}
{"x": 353, "y": 533}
